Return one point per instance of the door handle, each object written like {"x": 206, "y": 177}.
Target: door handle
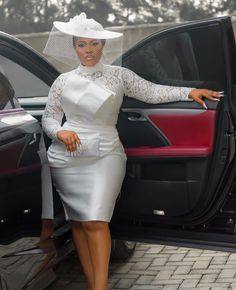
{"x": 34, "y": 139}
{"x": 136, "y": 117}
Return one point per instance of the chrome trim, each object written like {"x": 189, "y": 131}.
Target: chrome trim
{"x": 158, "y": 212}
{"x": 34, "y": 139}
{"x": 35, "y": 113}
{"x": 137, "y": 119}
{"x": 159, "y": 111}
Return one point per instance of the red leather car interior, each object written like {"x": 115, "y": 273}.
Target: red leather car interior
{"x": 188, "y": 134}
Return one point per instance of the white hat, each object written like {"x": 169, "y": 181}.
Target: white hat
{"x": 60, "y": 47}
{"x": 81, "y": 26}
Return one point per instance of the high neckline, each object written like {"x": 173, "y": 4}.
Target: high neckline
{"x": 90, "y": 69}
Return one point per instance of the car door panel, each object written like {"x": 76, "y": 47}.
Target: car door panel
{"x": 132, "y": 122}
{"x": 189, "y": 132}
{"x": 169, "y": 176}
{"x": 180, "y": 182}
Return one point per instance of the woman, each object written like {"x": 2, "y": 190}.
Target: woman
{"x": 86, "y": 157}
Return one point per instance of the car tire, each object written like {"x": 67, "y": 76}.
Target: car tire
{"x": 122, "y": 250}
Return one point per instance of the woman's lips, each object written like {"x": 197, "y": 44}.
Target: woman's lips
{"x": 89, "y": 57}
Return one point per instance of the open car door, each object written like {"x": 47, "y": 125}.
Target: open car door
{"x": 29, "y": 78}
{"x": 23, "y": 265}
{"x": 19, "y": 173}
{"x": 179, "y": 186}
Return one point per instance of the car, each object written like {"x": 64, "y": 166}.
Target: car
{"x": 179, "y": 187}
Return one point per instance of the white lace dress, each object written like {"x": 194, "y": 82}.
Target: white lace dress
{"x": 90, "y": 98}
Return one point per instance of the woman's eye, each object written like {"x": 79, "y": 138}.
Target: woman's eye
{"x": 80, "y": 45}
{"x": 95, "y": 43}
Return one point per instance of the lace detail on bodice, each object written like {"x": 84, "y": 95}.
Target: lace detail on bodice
{"x": 91, "y": 76}
{"x": 117, "y": 79}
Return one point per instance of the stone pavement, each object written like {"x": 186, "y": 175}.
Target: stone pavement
{"x": 156, "y": 267}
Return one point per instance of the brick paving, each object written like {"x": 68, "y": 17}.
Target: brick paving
{"x": 156, "y": 267}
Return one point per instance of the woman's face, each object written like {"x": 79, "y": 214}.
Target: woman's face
{"x": 89, "y": 50}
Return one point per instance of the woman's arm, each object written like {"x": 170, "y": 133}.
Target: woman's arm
{"x": 143, "y": 90}
{"x": 53, "y": 114}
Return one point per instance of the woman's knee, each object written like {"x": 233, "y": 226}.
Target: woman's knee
{"x": 94, "y": 226}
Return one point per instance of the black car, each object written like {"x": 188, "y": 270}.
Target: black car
{"x": 180, "y": 181}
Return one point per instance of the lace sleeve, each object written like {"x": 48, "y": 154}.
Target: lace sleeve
{"x": 53, "y": 114}
{"x": 143, "y": 90}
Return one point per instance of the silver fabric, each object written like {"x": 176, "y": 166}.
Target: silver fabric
{"x": 89, "y": 190}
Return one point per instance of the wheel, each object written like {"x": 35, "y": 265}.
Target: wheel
{"x": 122, "y": 250}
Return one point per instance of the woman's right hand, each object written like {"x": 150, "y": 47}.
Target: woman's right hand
{"x": 70, "y": 139}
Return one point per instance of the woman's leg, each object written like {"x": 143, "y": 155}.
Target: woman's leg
{"x": 81, "y": 245}
{"x": 99, "y": 244}
{"x": 47, "y": 229}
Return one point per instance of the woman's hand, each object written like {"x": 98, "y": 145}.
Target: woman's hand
{"x": 70, "y": 139}
{"x": 198, "y": 94}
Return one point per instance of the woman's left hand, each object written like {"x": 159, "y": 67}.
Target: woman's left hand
{"x": 198, "y": 94}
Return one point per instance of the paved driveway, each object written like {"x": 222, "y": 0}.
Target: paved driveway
{"x": 154, "y": 267}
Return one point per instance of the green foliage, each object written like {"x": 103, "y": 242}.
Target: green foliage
{"x": 189, "y": 10}
{"x": 21, "y": 16}
{"x": 26, "y": 15}
{"x": 136, "y": 11}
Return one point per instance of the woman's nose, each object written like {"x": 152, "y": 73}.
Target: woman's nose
{"x": 89, "y": 48}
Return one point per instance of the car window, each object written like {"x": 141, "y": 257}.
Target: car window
{"x": 183, "y": 58}
{"x": 25, "y": 83}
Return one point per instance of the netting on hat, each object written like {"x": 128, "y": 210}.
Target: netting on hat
{"x": 59, "y": 46}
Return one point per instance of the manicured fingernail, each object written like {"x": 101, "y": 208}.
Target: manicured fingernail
{"x": 205, "y": 106}
{"x": 216, "y": 99}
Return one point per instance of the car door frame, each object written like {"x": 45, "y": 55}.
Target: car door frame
{"x": 197, "y": 235}
{"x": 23, "y": 55}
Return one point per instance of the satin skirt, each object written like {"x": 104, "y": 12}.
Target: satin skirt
{"x": 89, "y": 189}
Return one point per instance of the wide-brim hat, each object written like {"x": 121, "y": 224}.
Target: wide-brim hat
{"x": 81, "y": 26}
{"x": 60, "y": 43}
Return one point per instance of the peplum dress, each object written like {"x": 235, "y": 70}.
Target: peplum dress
{"x": 89, "y": 182}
